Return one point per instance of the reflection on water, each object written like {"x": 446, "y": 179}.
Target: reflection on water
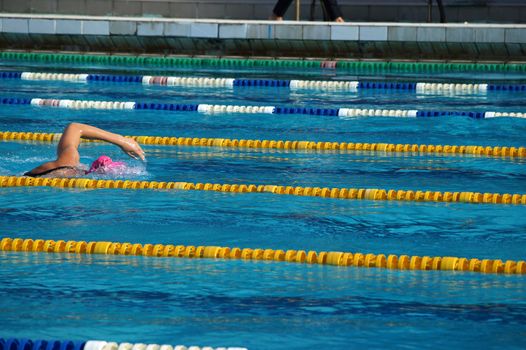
{"x": 138, "y": 298}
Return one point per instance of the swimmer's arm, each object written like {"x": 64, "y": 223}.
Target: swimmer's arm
{"x": 67, "y": 149}
{"x": 70, "y": 140}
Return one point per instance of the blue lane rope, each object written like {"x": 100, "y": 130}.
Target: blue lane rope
{"x": 115, "y": 78}
{"x": 26, "y": 344}
{"x": 224, "y": 109}
{"x": 10, "y": 75}
{"x": 15, "y": 101}
{"x": 262, "y": 82}
{"x": 291, "y": 84}
{"x": 386, "y": 85}
{"x": 179, "y": 107}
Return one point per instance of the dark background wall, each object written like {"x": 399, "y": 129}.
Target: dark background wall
{"x": 473, "y": 11}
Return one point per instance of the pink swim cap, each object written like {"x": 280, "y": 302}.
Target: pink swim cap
{"x": 102, "y": 164}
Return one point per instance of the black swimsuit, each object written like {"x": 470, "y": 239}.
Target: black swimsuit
{"x": 46, "y": 172}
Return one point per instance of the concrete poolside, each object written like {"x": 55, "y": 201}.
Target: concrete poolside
{"x": 353, "y": 40}
{"x": 473, "y": 11}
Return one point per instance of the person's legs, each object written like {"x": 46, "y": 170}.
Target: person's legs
{"x": 280, "y": 9}
{"x": 441, "y": 11}
{"x": 330, "y": 6}
{"x": 333, "y": 10}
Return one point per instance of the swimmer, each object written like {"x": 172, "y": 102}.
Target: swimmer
{"x": 67, "y": 163}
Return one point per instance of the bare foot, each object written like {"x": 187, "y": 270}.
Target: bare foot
{"x": 273, "y": 17}
{"x": 339, "y": 20}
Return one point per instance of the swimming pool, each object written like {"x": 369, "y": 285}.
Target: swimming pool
{"x": 263, "y": 304}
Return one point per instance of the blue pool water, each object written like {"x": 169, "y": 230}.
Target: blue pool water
{"x": 264, "y": 305}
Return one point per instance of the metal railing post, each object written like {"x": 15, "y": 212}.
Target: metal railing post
{"x": 298, "y": 10}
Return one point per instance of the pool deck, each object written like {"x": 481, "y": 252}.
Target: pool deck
{"x": 352, "y": 40}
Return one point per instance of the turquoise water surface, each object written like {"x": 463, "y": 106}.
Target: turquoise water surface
{"x": 264, "y": 305}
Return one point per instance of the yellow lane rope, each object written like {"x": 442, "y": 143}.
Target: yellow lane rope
{"x": 491, "y": 151}
{"x": 401, "y": 262}
{"x": 342, "y": 193}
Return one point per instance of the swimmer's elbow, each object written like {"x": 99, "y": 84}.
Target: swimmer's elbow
{"x": 73, "y": 129}
{"x": 73, "y": 126}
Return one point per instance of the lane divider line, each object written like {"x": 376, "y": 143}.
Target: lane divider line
{"x": 232, "y": 109}
{"x": 324, "y": 192}
{"x": 390, "y": 261}
{"x": 323, "y": 85}
{"x": 386, "y": 148}
{"x": 28, "y": 344}
{"x": 341, "y": 64}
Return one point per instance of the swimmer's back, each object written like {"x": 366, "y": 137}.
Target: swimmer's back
{"x": 61, "y": 171}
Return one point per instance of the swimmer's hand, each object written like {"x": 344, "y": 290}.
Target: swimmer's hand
{"x": 132, "y": 148}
